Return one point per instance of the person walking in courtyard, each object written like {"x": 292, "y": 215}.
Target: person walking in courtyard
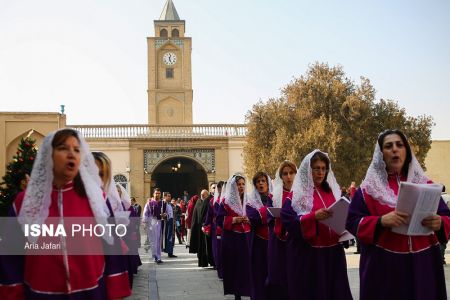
{"x": 152, "y": 222}
{"x": 64, "y": 183}
{"x": 189, "y": 213}
{"x": 392, "y": 265}
{"x": 256, "y": 209}
{"x": 168, "y": 224}
{"x": 276, "y": 251}
{"x": 316, "y": 267}
{"x": 236, "y": 227}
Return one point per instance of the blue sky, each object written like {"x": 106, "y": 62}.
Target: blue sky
{"x": 91, "y": 54}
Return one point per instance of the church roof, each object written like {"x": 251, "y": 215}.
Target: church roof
{"x": 169, "y": 12}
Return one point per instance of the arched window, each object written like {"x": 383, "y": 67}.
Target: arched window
{"x": 163, "y": 33}
{"x": 122, "y": 180}
{"x": 175, "y": 33}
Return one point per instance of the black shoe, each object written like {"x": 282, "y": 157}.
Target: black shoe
{"x": 159, "y": 261}
{"x": 187, "y": 246}
{"x": 171, "y": 255}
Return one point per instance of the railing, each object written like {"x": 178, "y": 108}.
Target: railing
{"x": 160, "y": 131}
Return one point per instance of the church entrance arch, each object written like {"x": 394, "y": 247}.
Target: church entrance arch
{"x": 178, "y": 174}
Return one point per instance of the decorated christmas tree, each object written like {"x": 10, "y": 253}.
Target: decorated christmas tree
{"x": 16, "y": 172}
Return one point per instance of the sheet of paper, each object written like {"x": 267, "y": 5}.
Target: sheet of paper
{"x": 419, "y": 201}
{"x": 346, "y": 236}
{"x": 274, "y": 211}
{"x": 340, "y": 211}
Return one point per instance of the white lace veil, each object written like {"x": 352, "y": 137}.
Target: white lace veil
{"x": 113, "y": 196}
{"x": 376, "y": 181}
{"x": 254, "y": 199}
{"x": 124, "y": 197}
{"x": 232, "y": 198}
{"x": 37, "y": 200}
{"x": 303, "y": 186}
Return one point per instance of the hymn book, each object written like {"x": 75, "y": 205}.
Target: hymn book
{"x": 337, "y": 221}
{"x": 418, "y": 201}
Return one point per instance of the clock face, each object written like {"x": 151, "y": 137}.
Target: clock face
{"x": 170, "y": 58}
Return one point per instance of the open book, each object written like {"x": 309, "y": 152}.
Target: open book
{"x": 274, "y": 211}
{"x": 337, "y": 221}
{"x": 419, "y": 201}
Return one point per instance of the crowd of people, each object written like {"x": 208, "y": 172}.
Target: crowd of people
{"x": 270, "y": 243}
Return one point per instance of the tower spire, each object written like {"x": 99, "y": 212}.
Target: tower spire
{"x": 169, "y": 12}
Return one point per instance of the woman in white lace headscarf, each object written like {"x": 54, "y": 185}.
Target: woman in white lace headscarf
{"x": 396, "y": 266}
{"x": 316, "y": 265}
{"x": 236, "y": 226}
{"x": 276, "y": 251}
{"x": 256, "y": 210}
{"x": 210, "y": 225}
{"x": 64, "y": 183}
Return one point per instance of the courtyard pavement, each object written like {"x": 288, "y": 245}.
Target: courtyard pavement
{"x": 180, "y": 278}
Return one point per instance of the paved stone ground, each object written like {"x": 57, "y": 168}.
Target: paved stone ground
{"x": 180, "y": 278}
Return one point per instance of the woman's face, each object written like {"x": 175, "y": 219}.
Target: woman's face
{"x": 394, "y": 153}
{"x": 66, "y": 160}
{"x": 262, "y": 186}
{"x": 288, "y": 175}
{"x": 241, "y": 186}
{"x": 319, "y": 172}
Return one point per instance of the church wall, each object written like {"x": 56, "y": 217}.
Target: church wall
{"x": 236, "y": 156}
{"x": 118, "y": 152}
{"x": 14, "y": 125}
{"x": 437, "y": 163}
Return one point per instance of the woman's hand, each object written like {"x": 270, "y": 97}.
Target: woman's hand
{"x": 323, "y": 214}
{"x": 239, "y": 220}
{"x": 394, "y": 219}
{"x": 432, "y": 222}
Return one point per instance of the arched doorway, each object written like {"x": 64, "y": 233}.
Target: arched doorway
{"x": 178, "y": 174}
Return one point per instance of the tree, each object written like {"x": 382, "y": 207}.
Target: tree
{"x": 324, "y": 109}
{"x": 21, "y": 164}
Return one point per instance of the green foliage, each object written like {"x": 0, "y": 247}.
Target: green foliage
{"x": 326, "y": 110}
{"x": 21, "y": 164}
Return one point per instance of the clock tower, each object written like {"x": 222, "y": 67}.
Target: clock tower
{"x": 169, "y": 71}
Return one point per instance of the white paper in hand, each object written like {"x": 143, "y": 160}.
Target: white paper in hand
{"x": 418, "y": 201}
{"x": 340, "y": 212}
{"x": 274, "y": 211}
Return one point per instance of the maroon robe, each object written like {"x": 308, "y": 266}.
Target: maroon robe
{"x": 316, "y": 266}
{"x": 235, "y": 258}
{"x": 276, "y": 255}
{"x": 258, "y": 251}
{"x": 44, "y": 276}
{"x": 395, "y": 266}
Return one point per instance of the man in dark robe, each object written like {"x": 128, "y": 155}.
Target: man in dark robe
{"x": 205, "y": 208}
{"x": 198, "y": 242}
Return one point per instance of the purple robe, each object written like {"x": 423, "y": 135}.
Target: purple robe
{"x": 258, "y": 253}
{"x": 132, "y": 242}
{"x": 316, "y": 265}
{"x": 276, "y": 261}
{"x": 235, "y": 256}
{"x": 385, "y": 274}
{"x": 218, "y": 248}
{"x": 210, "y": 221}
